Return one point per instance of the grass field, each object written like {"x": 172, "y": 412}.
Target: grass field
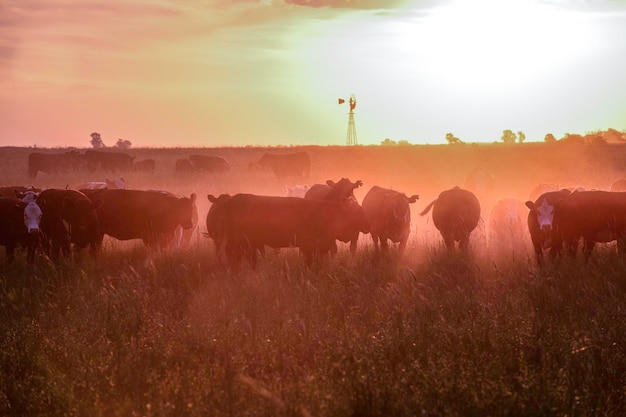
{"x": 143, "y": 333}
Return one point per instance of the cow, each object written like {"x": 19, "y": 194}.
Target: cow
{"x": 297, "y": 164}
{"x": 336, "y": 192}
{"x": 297, "y": 191}
{"x": 145, "y": 165}
{"x": 389, "y": 215}
{"x": 183, "y": 165}
{"x": 183, "y": 236}
{"x": 540, "y": 221}
{"x": 116, "y": 183}
{"x": 108, "y": 161}
{"x": 68, "y": 217}
{"x": 480, "y": 182}
{"x": 53, "y": 163}
{"x": 212, "y": 164}
{"x": 151, "y": 216}
{"x": 506, "y": 225}
{"x": 618, "y": 185}
{"x": 456, "y": 213}
{"x": 253, "y": 221}
{"x": 215, "y": 222}
{"x": 594, "y": 216}
{"x": 19, "y": 226}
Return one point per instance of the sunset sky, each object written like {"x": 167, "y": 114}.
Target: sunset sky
{"x": 164, "y": 73}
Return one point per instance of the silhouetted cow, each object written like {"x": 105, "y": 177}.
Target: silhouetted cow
{"x": 215, "y": 222}
{"x": 297, "y": 164}
{"x": 389, "y": 215}
{"x": 50, "y": 163}
{"x": 456, "y": 213}
{"x": 206, "y": 163}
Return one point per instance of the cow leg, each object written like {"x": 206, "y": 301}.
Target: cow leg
{"x": 448, "y": 239}
{"x": 375, "y": 240}
{"x": 353, "y": 243}
{"x": 402, "y": 245}
{"x": 464, "y": 242}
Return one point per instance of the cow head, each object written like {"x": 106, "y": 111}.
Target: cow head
{"x": 32, "y": 217}
{"x": 186, "y": 208}
{"x": 544, "y": 212}
{"x": 27, "y": 196}
{"x": 354, "y": 219}
{"x": 344, "y": 188}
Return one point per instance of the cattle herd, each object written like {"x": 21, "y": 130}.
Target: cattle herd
{"x": 309, "y": 217}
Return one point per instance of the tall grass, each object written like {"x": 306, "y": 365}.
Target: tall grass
{"x": 142, "y": 333}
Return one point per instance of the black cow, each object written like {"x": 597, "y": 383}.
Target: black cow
{"x": 69, "y": 216}
{"x": 297, "y": 164}
{"x": 108, "y": 161}
{"x": 253, "y": 221}
{"x": 456, "y": 213}
{"x": 152, "y": 216}
{"x": 336, "y": 192}
{"x": 145, "y": 165}
{"x": 19, "y": 226}
{"x": 206, "y": 163}
{"x": 53, "y": 163}
{"x": 215, "y": 222}
{"x": 389, "y": 215}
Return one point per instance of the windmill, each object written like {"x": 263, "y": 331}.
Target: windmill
{"x": 351, "y": 135}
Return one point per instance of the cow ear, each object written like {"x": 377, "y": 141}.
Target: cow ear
{"x": 193, "y": 197}
{"x": 413, "y": 198}
{"x": 211, "y": 198}
{"x": 330, "y": 183}
{"x": 358, "y": 184}
{"x": 530, "y": 205}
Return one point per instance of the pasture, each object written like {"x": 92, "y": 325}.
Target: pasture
{"x": 147, "y": 333}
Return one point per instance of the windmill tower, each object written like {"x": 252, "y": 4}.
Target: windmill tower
{"x": 351, "y": 135}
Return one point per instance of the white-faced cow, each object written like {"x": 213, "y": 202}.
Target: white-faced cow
{"x": 297, "y": 191}
{"x": 68, "y": 217}
{"x": 253, "y": 221}
{"x": 19, "y": 226}
{"x": 456, "y": 213}
{"x": 152, "y": 216}
{"x": 297, "y": 164}
{"x": 389, "y": 215}
{"x": 594, "y": 216}
{"x": 114, "y": 184}
{"x": 540, "y": 221}
{"x": 507, "y": 220}
{"x": 336, "y": 192}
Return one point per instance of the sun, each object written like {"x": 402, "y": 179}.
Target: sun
{"x": 487, "y": 44}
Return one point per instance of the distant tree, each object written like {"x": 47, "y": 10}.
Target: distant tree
{"x": 595, "y": 138}
{"x": 549, "y": 138}
{"x": 508, "y": 136}
{"x": 123, "y": 144}
{"x": 404, "y": 142}
{"x": 96, "y": 141}
{"x": 388, "y": 142}
{"x": 521, "y": 137}
{"x": 453, "y": 140}
{"x": 573, "y": 139}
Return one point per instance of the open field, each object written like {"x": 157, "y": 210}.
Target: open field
{"x": 143, "y": 333}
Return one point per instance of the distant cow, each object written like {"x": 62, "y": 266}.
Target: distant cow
{"x": 456, "y": 213}
{"x": 541, "y": 189}
{"x": 337, "y": 192}
{"x": 19, "y": 226}
{"x": 594, "y": 216}
{"x": 116, "y": 183}
{"x": 50, "y": 163}
{"x": 145, "y": 165}
{"x": 148, "y": 215}
{"x": 183, "y": 165}
{"x": 253, "y": 221}
{"x": 540, "y": 221}
{"x": 108, "y": 161}
{"x": 297, "y": 164}
{"x": 297, "y": 191}
{"x": 69, "y": 216}
{"x": 389, "y": 215}
{"x": 480, "y": 182}
{"x": 619, "y": 185}
{"x": 213, "y": 164}
{"x": 507, "y": 225}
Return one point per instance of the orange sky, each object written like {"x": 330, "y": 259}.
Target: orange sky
{"x": 211, "y": 73}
